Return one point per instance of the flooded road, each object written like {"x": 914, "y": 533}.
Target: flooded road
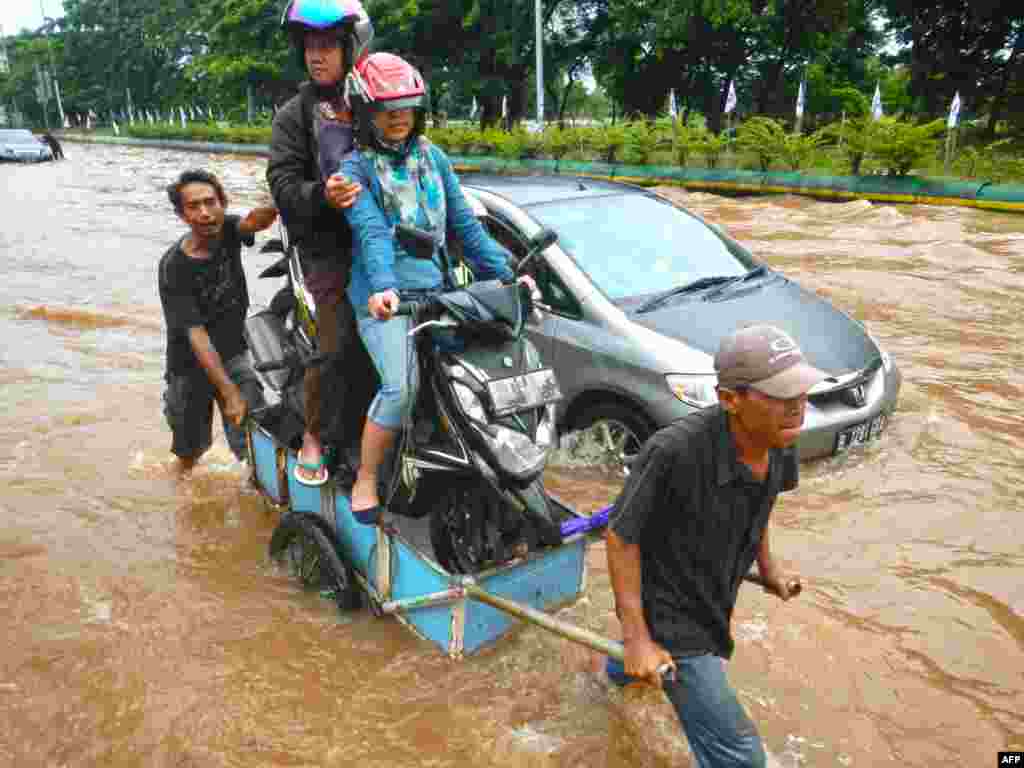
{"x": 144, "y": 625}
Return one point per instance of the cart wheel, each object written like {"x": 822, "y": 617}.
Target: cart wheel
{"x": 312, "y": 558}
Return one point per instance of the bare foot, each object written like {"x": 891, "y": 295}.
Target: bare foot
{"x": 364, "y": 494}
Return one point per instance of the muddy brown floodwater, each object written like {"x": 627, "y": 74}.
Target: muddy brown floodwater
{"x": 144, "y": 626}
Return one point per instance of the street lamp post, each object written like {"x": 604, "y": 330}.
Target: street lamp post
{"x": 53, "y": 67}
{"x": 540, "y": 62}
{"x": 53, "y": 84}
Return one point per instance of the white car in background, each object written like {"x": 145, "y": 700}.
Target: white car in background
{"x": 20, "y": 145}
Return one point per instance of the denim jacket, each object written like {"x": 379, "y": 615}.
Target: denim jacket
{"x": 379, "y": 262}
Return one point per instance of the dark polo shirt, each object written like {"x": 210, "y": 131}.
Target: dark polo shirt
{"x": 698, "y": 515}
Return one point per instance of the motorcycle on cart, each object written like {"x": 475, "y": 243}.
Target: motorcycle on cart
{"x": 471, "y": 541}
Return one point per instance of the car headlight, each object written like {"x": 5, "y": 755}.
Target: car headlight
{"x": 694, "y": 389}
{"x": 886, "y": 360}
{"x": 470, "y": 402}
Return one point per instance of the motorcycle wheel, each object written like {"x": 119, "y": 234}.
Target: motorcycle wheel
{"x": 464, "y": 530}
{"x": 310, "y": 556}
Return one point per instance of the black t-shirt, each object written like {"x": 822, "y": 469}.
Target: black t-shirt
{"x": 698, "y": 515}
{"x": 205, "y": 292}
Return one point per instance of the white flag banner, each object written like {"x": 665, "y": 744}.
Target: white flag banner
{"x": 67, "y": 123}
{"x": 954, "y": 112}
{"x": 730, "y": 99}
{"x": 504, "y": 106}
{"x": 672, "y": 111}
{"x": 801, "y": 96}
{"x": 876, "y": 104}
{"x": 472, "y": 109}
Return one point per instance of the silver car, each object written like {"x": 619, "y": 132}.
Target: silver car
{"x": 637, "y": 293}
{"x": 17, "y": 144}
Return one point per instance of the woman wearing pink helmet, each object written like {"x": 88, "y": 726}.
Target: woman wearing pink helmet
{"x": 310, "y": 135}
{"x": 406, "y": 180}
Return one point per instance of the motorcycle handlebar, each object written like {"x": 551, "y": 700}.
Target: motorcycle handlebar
{"x": 407, "y": 309}
{"x": 413, "y": 308}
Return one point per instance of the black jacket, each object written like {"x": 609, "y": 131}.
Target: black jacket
{"x": 293, "y": 173}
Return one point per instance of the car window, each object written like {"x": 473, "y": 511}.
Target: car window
{"x": 554, "y": 293}
{"x": 506, "y": 237}
{"x": 632, "y": 244}
{"x": 552, "y": 289}
{"x": 16, "y": 135}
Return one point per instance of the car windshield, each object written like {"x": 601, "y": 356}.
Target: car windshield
{"x": 634, "y": 245}
{"x": 18, "y": 136}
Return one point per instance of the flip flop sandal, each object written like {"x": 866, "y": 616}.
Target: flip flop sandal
{"x": 318, "y": 470}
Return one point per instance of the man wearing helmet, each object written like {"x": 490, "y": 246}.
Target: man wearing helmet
{"x": 310, "y": 135}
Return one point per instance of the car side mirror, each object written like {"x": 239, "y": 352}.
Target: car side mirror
{"x": 274, "y": 245}
{"x": 535, "y": 245}
{"x": 543, "y": 239}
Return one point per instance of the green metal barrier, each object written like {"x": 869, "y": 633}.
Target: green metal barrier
{"x": 893, "y": 189}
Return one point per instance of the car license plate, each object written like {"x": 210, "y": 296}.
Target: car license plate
{"x": 861, "y": 433}
{"x": 522, "y": 393}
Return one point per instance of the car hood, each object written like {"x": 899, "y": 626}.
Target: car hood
{"x": 830, "y": 340}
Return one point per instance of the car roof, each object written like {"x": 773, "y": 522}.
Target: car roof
{"x": 525, "y": 191}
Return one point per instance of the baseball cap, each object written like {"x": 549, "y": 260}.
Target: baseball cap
{"x": 767, "y": 359}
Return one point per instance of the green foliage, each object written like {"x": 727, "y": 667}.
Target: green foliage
{"x": 995, "y": 161}
{"x": 514, "y": 145}
{"x": 797, "y": 149}
{"x": 712, "y": 146}
{"x": 643, "y": 139}
{"x": 763, "y": 137}
{"x": 557, "y": 142}
{"x": 891, "y": 144}
{"x": 900, "y": 146}
{"x": 851, "y": 101}
{"x": 608, "y": 142}
{"x": 488, "y": 141}
{"x": 686, "y": 141}
{"x": 853, "y": 138}
{"x": 212, "y": 132}
{"x": 444, "y": 138}
{"x": 463, "y": 140}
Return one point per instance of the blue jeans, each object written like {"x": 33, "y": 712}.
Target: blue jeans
{"x": 394, "y": 356}
{"x": 720, "y": 733}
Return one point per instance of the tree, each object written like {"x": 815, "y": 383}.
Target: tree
{"x": 244, "y": 51}
{"x": 953, "y": 45}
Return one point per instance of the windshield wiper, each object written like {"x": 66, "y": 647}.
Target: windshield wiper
{"x": 697, "y": 285}
{"x": 753, "y": 274}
